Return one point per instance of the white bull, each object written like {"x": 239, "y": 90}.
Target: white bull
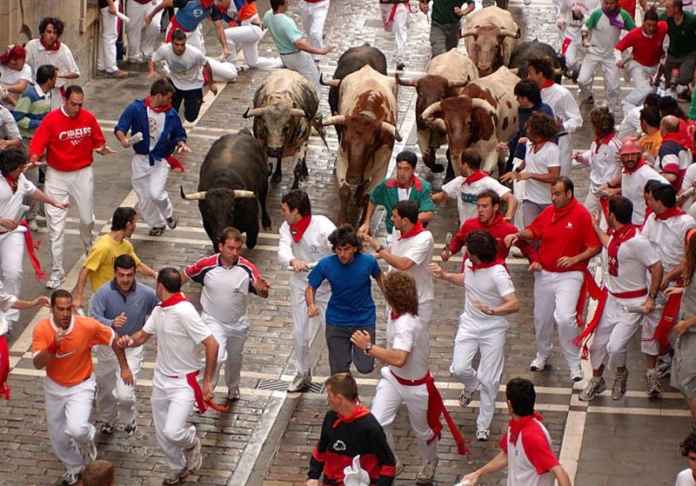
{"x": 490, "y": 36}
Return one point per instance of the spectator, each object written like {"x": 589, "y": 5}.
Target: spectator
{"x": 681, "y": 54}
{"x": 106, "y": 59}
{"x": 15, "y": 73}
{"x": 9, "y": 132}
{"x": 688, "y": 449}
{"x": 35, "y": 102}
{"x": 650, "y": 126}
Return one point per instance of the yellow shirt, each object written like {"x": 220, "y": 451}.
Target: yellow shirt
{"x": 651, "y": 143}
{"x": 100, "y": 261}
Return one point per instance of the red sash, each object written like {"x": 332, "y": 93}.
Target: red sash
{"x": 202, "y": 404}
{"x": 622, "y": 235}
{"x": 589, "y": 289}
{"x": 436, "y": 407}
{"x": 667, "y": 321}
{"x": 31, "y": 247}
{"x": 4, "y": 367}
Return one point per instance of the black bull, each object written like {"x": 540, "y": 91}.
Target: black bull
{"x": 524, "y": 51}
{"x": 232, "y": 184}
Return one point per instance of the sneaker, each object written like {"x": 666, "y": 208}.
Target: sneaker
{"x": 465, "y": 398}
{"x": 398, "y": 468}
{"x": 482, "y": 435}
{"x": 172, "y": 478}
{"x": 427, "y": 473}
{"x": 55, "y": 280}
{"x": 618, "y": 388}
{"x": 118, "y": 74}
{"x": 664, "y": 366}
{"x": 88, "y": 450}
{"x": 537, "y": 364}
{"x": 654, "y": 385}
{"x": 106, "y": 428}
{"x": 576, "y": 374}
{"x": 172, "y": 222}
{"x": 594, "y": 387}
{"x": 233, "y": 395}
{"x": 400, "y": 66}
{"x": 34, "y": 225}
{"x": 70, "y": 478}
{"x": 588, "y": 101}
{"x": 156, "y": 231}
{"x": 300, "y": 383}
{"x": 194, "y": 458}
{"x": 130, "y": 428}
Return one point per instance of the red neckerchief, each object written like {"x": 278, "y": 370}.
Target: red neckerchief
{"x": 415, "y": 182}
{"x": 482, "y": 265}
{"x": 558, "y": 213}
{"x": 640, "y": 164}
{"x": 157, "y": 109}
{"x": 298, "y": 229}
{"x": 677, "y": 137}
{"x": 516, "y": 425}
{"x": 12, "y": 182}
{"x": 393, "y": 315}
{"x": 621, "y": 235}
{"x": 547, "y": 83}
{"x": 53, "y": 47}
{"x": 599, "y": 141}
{"x": 476, "y": 176}
{"x": 358, "y": 412}
{"x": 173, "y": 300}
{"x": 669, "y": 213}
{"x": 417, "y": 228}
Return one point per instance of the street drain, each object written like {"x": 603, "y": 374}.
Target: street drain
{"x": 280, "y": 385}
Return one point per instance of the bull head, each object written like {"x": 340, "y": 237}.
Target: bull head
{"x": 199, "y": 196}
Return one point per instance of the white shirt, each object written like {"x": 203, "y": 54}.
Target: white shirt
{"x": 687, "y": 183}
{"x": 12, "y": 204}
{"x": 155, "y": 122}
{"x": 407, "y": 333}
{"x": 667, "y": 237}
{"x": 604, "y": 163}
{"x": 632, "y": 187}
{"x": 8, "y": 77}
{"x": 685, "y": 478}
{"x": 634, "y": 258}
{"x": 466, "y": 194}
{"x": 8, "y": 125}
{"x": 6, "y": 303}
{"x": 185, "y": 71}
{"x": 179, "y": 331}
{"x": 62, "y": 59}
{"x": 604, "y": 37}
{"x": 539, "y": 163}
{"x": 487, "y": 286}
{"x": 312, "y": 247}
{"x": 630, "y": 125}
{"x": 564, "y": 106}
{"x": 418, "y": 249}
{"x": 520, "y": 466}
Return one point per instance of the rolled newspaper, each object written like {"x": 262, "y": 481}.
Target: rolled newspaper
{"x": 637, "y": 309}
{"x": 309, "y": 266}
{"x": 137, "y": 137}
{"x": 124, "y": 18}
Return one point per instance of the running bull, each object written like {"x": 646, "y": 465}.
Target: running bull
{"x": 232, "y": 184}
{"x": 490, "y": 35}
{"x": 446, "y": 76}
{"x": 483, "y": 114}
{"x": 524, "y": 51}
{"x": 285, "y": 110}
{"x": 367, "y": 112}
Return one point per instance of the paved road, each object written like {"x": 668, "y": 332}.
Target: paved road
{"x": 266, "y": 438}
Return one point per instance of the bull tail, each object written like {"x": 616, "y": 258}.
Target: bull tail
{"x": 317, "y": 124}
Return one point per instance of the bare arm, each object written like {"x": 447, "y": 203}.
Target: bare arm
{"x": 510, "y": 305}
{"x": 547, "y": 178}
{"x": 41, "y": 358}
{"x": 562, "y": 478}
{"x": 512, "y": 203}
{"x": 380, "y": 281}
{"x": 393, "y": 357}
{"x": 126, "y": 374}
{"x": 496, "y": 464}
{"x": 304, "y": 45}
{"x": 145, "y": 270}
{"x": 365, "y": 227}
{"x": 440, "y": 274}
{"x": 425, "y": 216}
{"x": 79, "y": 289}
{"x": 398, "y": 262}
{"x": 18, "y": 87}
{"x": 39, "y": 195}
{"x": 211, "y": 353}
{"x": 440, "y": 198}
{"x": 222, "y": 38}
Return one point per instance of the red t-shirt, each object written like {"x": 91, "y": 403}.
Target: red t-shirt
{"x": 499, "y": 228}
{"x": 68, "y": 142}
{"x": 646, "y": 50}
{"x": 563, "y": 232}
{"x": 629, "y": 6}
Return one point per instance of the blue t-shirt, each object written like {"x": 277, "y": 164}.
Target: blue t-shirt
{"x": 351, "y": 301}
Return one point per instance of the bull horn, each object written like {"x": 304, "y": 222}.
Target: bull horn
{"x": 194, "y": 196}
{"x": 334, "y": 83}
{"x": 514, "y": 35}
{"x": 457, "y": 84}
{"x": 241, "y": 193}
{"x": 439, "y": 124}
{"x": 469, "y": 33}
{"x": 255, "y": 112}
{"x": 334, "y": 120}
{"x": 483, "y": 104}
{"x": 297, "y": 112}
{"x": 405, "y": 82}
{"x": 391, "y": 129}
{"x": 431, "y": 110}
{"x": 515, "y": 70}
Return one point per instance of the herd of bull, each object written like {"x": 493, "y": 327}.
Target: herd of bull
{"x": 465, "y": 99}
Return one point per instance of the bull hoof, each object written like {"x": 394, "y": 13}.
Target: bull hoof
{"x": 276, "y": 178}
{"x": 434, "y": 167}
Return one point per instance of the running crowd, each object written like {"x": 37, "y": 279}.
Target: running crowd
{"x": 629, "y": 247}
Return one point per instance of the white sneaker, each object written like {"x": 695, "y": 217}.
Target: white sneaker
{"x": 594, "y": 387}
{"x": 465, "y": 398}
{"x": 55, "y": 280}
{"x": 70, "y": 478}
{"x": 576, "y": 374}
{"x": 427, "y": 473}
{"x": 233, "y": 394}
{"x": 482, "y": 435}
{"x": 172, "y": 478}
{"x": 537, "y": 364}
{"x": 194, "y": 458}
{"x": 300, "y": 383}
{"x": 88, "y": 450}
{"x": 654, "y": 385}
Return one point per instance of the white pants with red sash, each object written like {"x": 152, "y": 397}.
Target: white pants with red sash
{"x": 172, "y": 402}
{"x": 314, "y": 15}
{"x": 395, "y": 18}
{"x": 388, "y": 398}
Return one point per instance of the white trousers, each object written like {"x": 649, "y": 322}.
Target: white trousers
{"x": 305, "y": 328}
{"x": 106, "y": 60}
{"x": 640, "y": 76}
{"x": 555, "y": 298}
{"x": 612, "y": 81}
{"x": 150, "y": 185}
{"x": 11, "y": 257}
{"x": 67, "y": 418}
{"x": 172, "y": 402}
{"x": 399, "y": 26}
{"x": 246, "y": 38}
{"x": 648, "y": 343}
{"x": 142, "y": 40}
{"x": 575, "y": 52}
{"x": 115, "y": 399}
{"x": 389, "y": 396}
{"x": 302, "y": 63}
{"x": 614, "y": 331}
{"x": 313, "y": 20}
{"x": 490, "y": 344}
{"x": 231, "y": 339}
{"x": 76, "y": 185}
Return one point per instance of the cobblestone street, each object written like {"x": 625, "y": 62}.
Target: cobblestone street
{"x": 267, "y": 436}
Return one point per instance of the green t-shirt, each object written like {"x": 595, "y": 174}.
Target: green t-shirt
{"x": 682, "y": 38}
{"x": 284, "y": 31}
{"x": 387, "y": 194}
{"x": 443, "y": 11}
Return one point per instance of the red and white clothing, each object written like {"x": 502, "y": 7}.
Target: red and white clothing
{"x": 58, "y": 55}
{"x": 487, "y": 284}
{"x": 527, "y": 445}
{"x": 466, "y": 190}
{"x": 603, "y": 159}
{"x": 633, "y": 186}
{"x": 536, "y": 194}
{"x": 224, "y": 300}
{"x": 6, "y": 303}
{"x": 688, "y": 183}
{"x": 395, "y": 18}
{"x": 106, "y": 55}
{"x": 180, "y": 331}
{"x": 186, "y": 70}
{"x": 307, "y": 241}
{"x": 407, "y": 333}
{"x": 564, "y": 106}
{"x": 499, "y": 228}
{"x": 686, "y": 478}
{"x": 563, "y": 232}
{"x": 314, "y": 14}
{"x": 142, "y": 39}
{"x": 673, "y": 158}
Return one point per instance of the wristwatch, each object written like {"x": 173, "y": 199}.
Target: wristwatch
{"x": 368, "y": 348}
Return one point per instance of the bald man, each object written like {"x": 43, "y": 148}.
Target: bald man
{"x": 673, "y": 157}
